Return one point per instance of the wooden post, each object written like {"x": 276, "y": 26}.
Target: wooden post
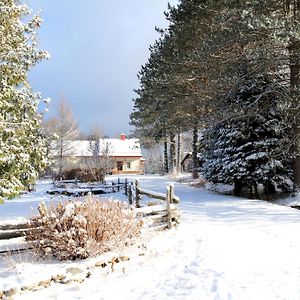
{"x": 118, "y": 184}
{"x": 137, "y": 193}
{"x": 126, "y": 183}
{"x": 168, "y": 200}
{"x": 112, "y": 187}
{"x": 130, "y": 195}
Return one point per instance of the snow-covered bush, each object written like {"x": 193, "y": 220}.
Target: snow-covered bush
{"x": 82, "y": 229}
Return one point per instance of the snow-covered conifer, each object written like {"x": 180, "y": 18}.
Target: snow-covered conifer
{"x": 251, "y": 148}
{"x": 22, "y": 150}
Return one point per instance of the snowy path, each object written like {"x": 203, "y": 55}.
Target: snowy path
{"x": 231, "y": 248}
{"x": 225, "y": 248}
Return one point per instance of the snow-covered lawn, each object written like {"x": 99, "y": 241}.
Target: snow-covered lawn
{"x": 26, "y": 205}
{"x": 224, "y": 248}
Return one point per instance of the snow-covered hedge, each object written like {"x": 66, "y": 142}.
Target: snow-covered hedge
{"x": 82, "y": 229}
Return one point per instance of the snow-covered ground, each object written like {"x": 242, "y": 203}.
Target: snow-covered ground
{"x": 224, "y": 248}
{"x": 26, "y": 205}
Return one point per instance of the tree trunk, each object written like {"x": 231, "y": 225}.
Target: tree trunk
{"x": 294, "y": 53}
{"x": 178, "y": 160}
{"x": 172, "y": 152}
{"x": 295, "y": 80}
{"x": 296, "y": 160}
{"x": 269, "y": 189}
{"x": 255, "y": 190}
{"x": 166, "y": 160}
{"x": 60, "y": 163}
{"x": 195, "y": 152}
{"x": 251, "y": 191}
{"x": 237, "y": 187}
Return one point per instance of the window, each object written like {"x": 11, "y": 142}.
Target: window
{"x": 128, "y": 165}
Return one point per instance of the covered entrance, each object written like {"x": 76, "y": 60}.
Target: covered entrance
{"x": 119, "y": 165}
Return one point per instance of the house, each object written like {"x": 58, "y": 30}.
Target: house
{"x": 124, "y": 155}
{"x": 187, "y": 162}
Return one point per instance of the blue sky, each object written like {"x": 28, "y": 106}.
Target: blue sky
{"x": 97, "y": 48}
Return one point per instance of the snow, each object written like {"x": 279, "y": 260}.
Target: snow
{"x": 155, "y": 194}
{"x": 128, "y": 147}
{"x": 21, "y": 208}
{"x": 224, "y": 248}
{"x": 149, "y": 209}
{"x": 115, "y": 147}
{"x": 13, "y": 244}
{"x": 26, "y": 205}
{"x": 290, "y": 201}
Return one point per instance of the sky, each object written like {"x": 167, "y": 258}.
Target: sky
{"x": 97, "y": 48}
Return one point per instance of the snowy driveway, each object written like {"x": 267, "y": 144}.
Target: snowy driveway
{"x": 225, "y": 248}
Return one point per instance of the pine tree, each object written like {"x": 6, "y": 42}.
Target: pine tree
{"x": 22, "y": 144}
{"x": 207, "y": 52}
{"x": 269, "y": 44}
{"x": 253, "y": 148}
{"x": 169, "y": 100}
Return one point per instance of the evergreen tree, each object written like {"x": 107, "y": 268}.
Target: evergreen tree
{"x": 252, "y": 148}
{"x": 207, "y": 52}
{"x": 22, "y": 144}
{"x": 279, "y": 23}
{"x": 169, "y": 99}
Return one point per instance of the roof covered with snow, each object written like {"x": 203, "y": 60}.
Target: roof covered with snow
{"x": 110, "y": 147}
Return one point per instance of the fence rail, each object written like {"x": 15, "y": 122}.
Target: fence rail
{"x": 159, "y": 196}
{"x": 13, "y": 231}
{"x": 75, "y": 188}
{"x": 162, "y": 215}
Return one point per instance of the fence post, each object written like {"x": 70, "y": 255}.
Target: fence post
{"x": 126, "y": 186}
{"x": 113, "y": 187}
{"x": 130, "y": 195}
{"x": 118, "y": 184}
{"x": 137, "y": 193}
{"x": 168, "y": 200}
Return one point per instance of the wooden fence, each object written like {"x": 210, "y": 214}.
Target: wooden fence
{"x": 75, "y": 188}
{"x": 13, "y": 231}
{"x": 161, "y": 215}
{"x": 8, "y": 232}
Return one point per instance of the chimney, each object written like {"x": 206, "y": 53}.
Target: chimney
{"x": 123, "y": 137}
